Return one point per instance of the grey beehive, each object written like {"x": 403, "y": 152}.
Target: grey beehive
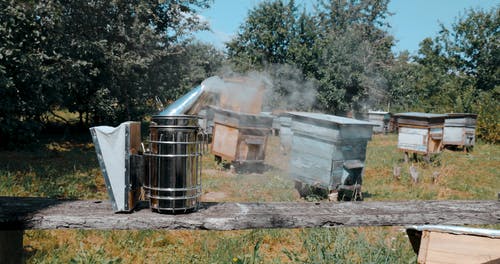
{"x": 328, "y": 151}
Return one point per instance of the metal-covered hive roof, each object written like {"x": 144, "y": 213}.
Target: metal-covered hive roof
{"x": 421, "y": 115}
{"x": 330, "y": 119}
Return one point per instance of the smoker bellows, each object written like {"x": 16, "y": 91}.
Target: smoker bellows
{"x": 118, "y": 152}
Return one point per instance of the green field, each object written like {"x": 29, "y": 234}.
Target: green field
{"x": 70, "y": 170}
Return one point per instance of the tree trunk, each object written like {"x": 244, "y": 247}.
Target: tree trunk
{"x": 80, "y": 118}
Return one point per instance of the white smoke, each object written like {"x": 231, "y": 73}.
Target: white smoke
{"x": 279, "y": 88}
{"x": 291, "y": 90}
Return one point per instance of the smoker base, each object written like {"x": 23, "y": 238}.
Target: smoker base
{"x": 174, "y": 211}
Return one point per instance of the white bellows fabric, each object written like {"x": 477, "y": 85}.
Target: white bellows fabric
{"x": 112, "y": 144}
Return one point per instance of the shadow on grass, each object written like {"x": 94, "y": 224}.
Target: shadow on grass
{"x": 259, "y": 168}
{"x": 53, "y": 167}
{"x": 15, "y": 217}
{"x": 243, "y": 167}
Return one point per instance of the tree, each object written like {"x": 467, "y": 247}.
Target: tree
{"x": 342, "y": 48}
{"x": 339, "y": 15}
{"x": 26, "y": 94}
{"x": 275, "y": 40}
{"x": 474, "y": 46}
{"x": 402, "y": 78}
{"x": 355, "y": 52}
{"x": 96, "y": 58}
{"x": 460, "y": 69}
{"x": 265, "y": 36}
{"x": 113, "y": 45}
{"x": 177, "y": 73}
{"x": 304, "y": 51}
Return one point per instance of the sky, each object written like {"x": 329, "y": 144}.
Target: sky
{"x": 411, "y": 22}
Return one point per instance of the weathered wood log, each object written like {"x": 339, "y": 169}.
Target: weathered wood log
{"x": 42, "y": 213}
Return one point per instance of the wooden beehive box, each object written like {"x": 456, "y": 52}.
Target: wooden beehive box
{"x": 328, "y": 151}
{"x": 459, "y": 129}
{"x": 239, "y": 137}
{"x": 285, "y": 120}
{"x": 454, "y": 244}
{"x": 381, "y": 119}
{"x": 420, "y": 133}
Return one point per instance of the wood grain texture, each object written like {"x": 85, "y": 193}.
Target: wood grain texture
{"x": 42, "y": 213}
{"x": 225, "y": 141}
{"x": 438, "y": 247}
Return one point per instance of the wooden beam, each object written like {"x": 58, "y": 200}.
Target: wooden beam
{"x": 41, "y": 213}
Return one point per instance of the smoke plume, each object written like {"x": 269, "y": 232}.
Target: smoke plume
{"x": 279, "y": 88}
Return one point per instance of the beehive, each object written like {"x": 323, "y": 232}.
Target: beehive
{"x": 285, "y": 121}
{"x": 239, "y": 137}
{"x": 328, "y": 151}
{"x": 460, "y": 129}
{"x": 381, "y": 119}
{"x": 420, "y": 133}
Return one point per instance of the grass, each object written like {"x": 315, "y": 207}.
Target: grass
{"x": 70, "y": 170}
{"x": 59, "y": 170}
{"x": 451, "y": 175}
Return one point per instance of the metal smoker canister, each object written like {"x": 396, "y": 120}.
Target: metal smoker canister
{"x": 173, "y": 179}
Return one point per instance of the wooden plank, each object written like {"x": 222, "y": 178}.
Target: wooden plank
{"x": 225, "y": 141}
{"x": 424, "y": 246}
{"x": 313, "y": 146}
{"x": 451, "y": 248}
{"x": 251, "y": 147}
{"x": 41, "y": 213}
{"x": 135, "y": 137}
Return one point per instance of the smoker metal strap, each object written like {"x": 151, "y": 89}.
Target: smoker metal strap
{"x": 175, "y": 142}
{"x": 176, "y": 198}
{"x": 196, "y": 187}
{"x": 196, "y": 154}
